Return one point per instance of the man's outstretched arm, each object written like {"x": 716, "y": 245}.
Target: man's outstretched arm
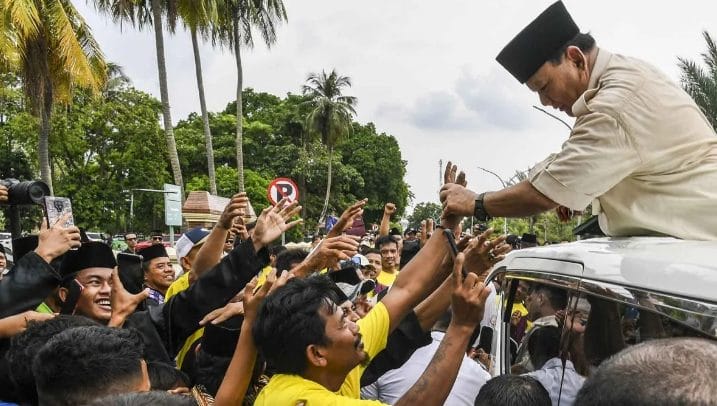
{"x": 519, "y": 200}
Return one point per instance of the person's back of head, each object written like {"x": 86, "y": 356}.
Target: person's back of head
{"x": 82, "y": 364}
{"x": 166, "y": 377}
{"x": 152, "y": 398}
{"x": 671, "y": 371}
{"x": 557, "y": 297}
{"x": 543, "y": 344}
{"x": 24, "y": 347}
{"x": 290, "y": 258}
{"x": 289, "y": 321}
{"x": 513, "y": 390}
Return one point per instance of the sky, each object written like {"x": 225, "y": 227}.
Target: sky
{"x": 422, "y": 71}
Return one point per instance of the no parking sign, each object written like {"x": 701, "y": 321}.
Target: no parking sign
{"x": 280, "y": 188}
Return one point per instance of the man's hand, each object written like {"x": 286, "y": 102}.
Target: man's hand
{"x": 451, "y": 176}
{"x": 17, "y": 323}
{"x": 328, "y": 253}
{"x": 273, "y": 221}
{"x": 482, "y": 253}
{"x": 469, "y": 296}
{"x": 389, "y": 209}
{"x": 347, "y": 218}
{"x": 3, "y": 194}
{"x": 56, "y": 240}
{"x": 427, "y": 229}
{"x": 565, "y": 214}
{"x": 123, "y": 303}
{"x": 223, "y": 314}
{"x": 239, "y": 230}
{"x": 236, "y": 208}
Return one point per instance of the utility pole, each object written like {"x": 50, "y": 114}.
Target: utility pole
{"x": 440, "y": 174}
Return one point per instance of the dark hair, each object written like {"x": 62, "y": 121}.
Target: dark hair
{"x": 685, "y": 369}
{"x": 152, "y": 398}
{"x": 557, "y": 297}
{"x": 165, "y": 377}
{"x": 584, "y": 41}
{"x": 513, "y": 390}
{"x": 370, "y": 250}
{"x": 289, "y": 321}
{"x": 277, "y": 249}
{"x": 543, "y": 344}
{"x": 24, "y": 347}
{"x": 84, "y": 363}
{"x": 385, "y": 239}
{"x": 286, "y": 258}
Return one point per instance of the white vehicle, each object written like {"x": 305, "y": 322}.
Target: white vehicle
{"x": 95, "y": 236}
{"x": 637, "y": 289}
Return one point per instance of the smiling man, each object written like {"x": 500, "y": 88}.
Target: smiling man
{"x": 641, "y": 151}
{"x": 158, "y": 273}
{"x": 89, "y": 268}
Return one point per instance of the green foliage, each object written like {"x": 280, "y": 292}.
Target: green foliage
{"x": 423, "y": 211}
{"x": 701, "y": 83}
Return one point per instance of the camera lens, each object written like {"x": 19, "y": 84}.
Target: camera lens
{"x": 36, "y": 191}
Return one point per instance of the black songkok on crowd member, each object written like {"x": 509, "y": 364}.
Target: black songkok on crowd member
{"x": 152, "y": 252}
{"x": 538, "y": 42}
{"x": 93, "y": 254}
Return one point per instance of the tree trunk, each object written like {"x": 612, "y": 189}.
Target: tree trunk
{"x": 164, "y": 93}
{"x": 43, "y": 144}
{"x": 240, "y": 113}
{"x": 205, "y": 115}
{"x": 328, "y": 186}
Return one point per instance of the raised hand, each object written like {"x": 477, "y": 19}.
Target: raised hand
{"x": 389, "y": 209}
{"x": 223, "y": 314}
{"x": 123, "y": 303}
{"x": 235, "y": 209}
{"x": 482, "y": 253}
{"x": 565, "y": 214}
{"x": 455, "y": 182}
{"x": 273, "y": 221}
{"x": 57, "y": 240}
{"x": 239, "y": 230}
{"x": 427, "y": 229}
{"x": 328, "y": 253}
{"x": 469, "y": 296}
{"x": 347, "y": 218}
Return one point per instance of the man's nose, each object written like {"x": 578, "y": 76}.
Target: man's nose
{"x": 353, "y": 327}
{"x": 544, "y": 100}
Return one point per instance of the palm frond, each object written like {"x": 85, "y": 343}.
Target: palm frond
{"x": 22, "y": 15}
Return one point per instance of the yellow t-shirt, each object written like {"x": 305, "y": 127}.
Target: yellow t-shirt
{"x": 291, "y": 389}
{"x": 386, "y": 279}
{"x": 182, "y": 283}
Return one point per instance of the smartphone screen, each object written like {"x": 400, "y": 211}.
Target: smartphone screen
{"x": 56, "y": 207}
{"x": 129, "y": 267}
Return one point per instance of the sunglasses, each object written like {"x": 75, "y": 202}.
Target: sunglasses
{"x": 229, "y": 242}
{"x": 157, "y": 238}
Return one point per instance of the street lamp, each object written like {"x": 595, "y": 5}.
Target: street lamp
{"x": 502, "y": 182}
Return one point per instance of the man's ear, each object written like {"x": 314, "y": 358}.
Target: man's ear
{"x": 315, "y": 356}
{"x": 576, "y": 56}
{"x": 62, "y": 294}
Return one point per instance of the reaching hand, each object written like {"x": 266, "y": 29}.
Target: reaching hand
{"x": 427, "y": 229}
{"x": 273, "y": 221}
{"x": 239, "y": 230}
{"x": 565, "y": 214}
{"x": 235, "y": 209}
{"x": 347, "y": 218}
{"x": 329, "y": 252}
{"x": 3, "y": 194}
{"x": 451, "y": 180}
{"x": 56, "y": 240}
{"x": 17, "y": 323}
{"x": 253, "y": 298}
{"x": 223, "y": 314}
{"x": 123, "y": 303}
{"x": 482, "y": 253}
{"x": 469, "y": 296}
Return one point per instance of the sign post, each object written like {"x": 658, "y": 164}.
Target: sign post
{"x": 280, "y": 188}
{"x": 172, "y": 208}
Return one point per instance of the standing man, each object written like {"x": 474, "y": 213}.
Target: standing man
{"x": 131, "y": 240}
{"x": 388, "y": 247}
{"x": 641, "y": 151}
{"x": 158, "y": 273}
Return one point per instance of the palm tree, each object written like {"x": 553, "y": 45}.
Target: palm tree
{"x": 238, "y": 19}
{"x": 701, "y": 84}
{"x": 141, "y": 13}
{"x": 55, "y": 52}
{"x": 201, "y": 15}
{"x": 331, "y": 115}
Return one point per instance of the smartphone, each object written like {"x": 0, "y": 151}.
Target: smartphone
{"x": 485, "y": 339}
{"x": 56, "y": 207}
{"x": 73, "y": 296}
{"x": 130, "y": 271}
{"x": 454, "y": 247}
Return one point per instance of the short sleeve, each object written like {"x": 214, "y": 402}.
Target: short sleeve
{"x": 374, "y": 329}
{"x": 597, "y": 156}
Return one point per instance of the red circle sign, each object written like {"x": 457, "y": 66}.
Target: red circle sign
{"x": 280, "y": 188}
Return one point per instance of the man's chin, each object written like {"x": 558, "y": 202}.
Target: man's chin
{"x": 365, "y": 359}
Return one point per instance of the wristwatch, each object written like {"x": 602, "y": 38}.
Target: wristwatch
{"x": 479, "y": 211}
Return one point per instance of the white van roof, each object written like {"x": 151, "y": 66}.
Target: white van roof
{"x": 659, "y": 264}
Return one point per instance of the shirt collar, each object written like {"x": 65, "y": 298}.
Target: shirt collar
{"x": 580, "y": 107}
{"x": 558, "y": 363}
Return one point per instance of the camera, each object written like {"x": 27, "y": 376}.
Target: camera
{"x": 25, "y": 192}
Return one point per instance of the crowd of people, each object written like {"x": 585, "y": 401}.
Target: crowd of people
{"x": 389, "y": 317}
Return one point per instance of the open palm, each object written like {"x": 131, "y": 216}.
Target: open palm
{"x": 274, "y": 220}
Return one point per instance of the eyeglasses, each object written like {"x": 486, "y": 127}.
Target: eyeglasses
{"x": 157, "y": 238}
{"x": 229, "y": 242}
